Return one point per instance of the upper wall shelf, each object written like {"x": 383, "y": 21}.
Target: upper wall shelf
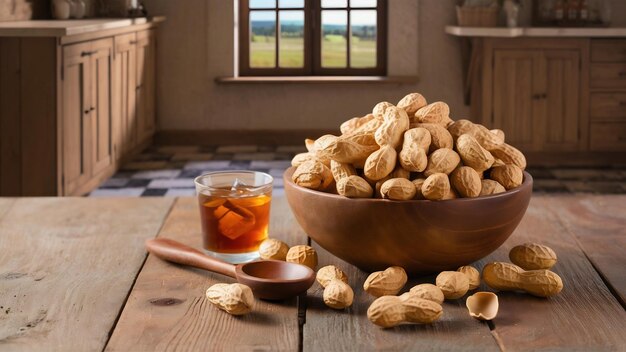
{"x": 504, "y": 32}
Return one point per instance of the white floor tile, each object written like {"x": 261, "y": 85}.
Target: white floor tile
{"x": 172, "y": 183}
{"x": 155, "y": 174}
{"x": 207, "y": 165}
{"x": 118, "y": 192}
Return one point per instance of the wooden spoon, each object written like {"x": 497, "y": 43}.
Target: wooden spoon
{"x": 268, "y": 279}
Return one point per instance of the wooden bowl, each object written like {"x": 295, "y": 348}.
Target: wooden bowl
{"x": 419, "y": 235}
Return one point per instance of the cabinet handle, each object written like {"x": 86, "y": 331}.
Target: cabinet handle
{"x": 87, "y": 53}
{"x": 138, "y": 87}
{"x": 536, "y": 96}
{"x": 133, "y": 42}
{"x": 87, "y": 112}
{"x": 92, "y": 109}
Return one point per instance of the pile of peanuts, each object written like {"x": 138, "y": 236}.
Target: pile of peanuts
{"x": 412, "y": 150}
{"x": 529, "y": 272}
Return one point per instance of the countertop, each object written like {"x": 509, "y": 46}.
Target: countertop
{"x": 77, "y": 278}
{"x": 61, "y": 28}
{"x": 505, "y": 32}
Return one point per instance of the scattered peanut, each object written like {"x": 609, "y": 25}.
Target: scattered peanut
{"x": 338, "y": 294}
{"x": 473, "y": 276}
{"x": 533, "y": 256}
{"x": 330, "y": 272}
{"x": 387, "y": 282}
{"x": 510, "y": 277}
{"x": 273, "y": 249}
{"x": 453, "y": 284}
{"x": 429, "y": 292}
{"x": 390, "y": 311}
{"x": 235, "y": 299}
{"x": 302, "y": 254}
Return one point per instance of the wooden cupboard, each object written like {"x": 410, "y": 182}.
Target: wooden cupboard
{"x": 86, "y": 112}
{"x": 553, "y": 96}
{"x": 71, "y": 109}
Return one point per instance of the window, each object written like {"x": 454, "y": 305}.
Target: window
{"x": 312, "y": 37}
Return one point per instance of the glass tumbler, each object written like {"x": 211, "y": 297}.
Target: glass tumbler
{"x": 235, "y": 213}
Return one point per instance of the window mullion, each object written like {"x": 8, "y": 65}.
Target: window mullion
{"x": 348, "y": 38}
{"x": 277, "y": 37}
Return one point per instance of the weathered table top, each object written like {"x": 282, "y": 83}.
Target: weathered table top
{"x": 74, "y": 276}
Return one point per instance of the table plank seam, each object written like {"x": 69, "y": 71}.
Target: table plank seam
{"x": 604, "y": 279}
{"x": 495, "y": 335}
{"x": 132, "y": 286}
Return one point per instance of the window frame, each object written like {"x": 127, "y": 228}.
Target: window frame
{"x": 312, "y": 42}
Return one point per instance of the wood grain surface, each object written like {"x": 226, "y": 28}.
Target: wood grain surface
{"x": 585, "y": 316}
{"x": 168, "y": 310}
{"x": 599, "y": 225}
{"x": 67, "y": 266}
{"x": 350, "y": 330}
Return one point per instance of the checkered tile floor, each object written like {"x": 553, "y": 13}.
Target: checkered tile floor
{"x": 170, "y": 170}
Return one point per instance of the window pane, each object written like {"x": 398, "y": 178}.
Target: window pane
{"x": 362, "y": 3}
{"x": 262, "y": 39}
{"x": 262, "y": 4}
{"x": 334, "y": 38}
{"x": 363, "y": 41}
{"x": 334, "y": 3}
{"x": 290, "y": 3}
{"x": 291, "y": 43}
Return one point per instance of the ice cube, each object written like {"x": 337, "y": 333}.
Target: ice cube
{"x": 239, "y": 186}
{"x": 234, "y": 221}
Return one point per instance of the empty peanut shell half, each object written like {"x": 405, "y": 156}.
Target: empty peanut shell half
{"x": 482, "y": 305}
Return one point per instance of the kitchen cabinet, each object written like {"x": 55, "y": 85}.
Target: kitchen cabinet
{"x": 125, "y": 92}
{"x": 535, "y": 98}
{"x": 135, "y": 89}
{"x": 561, "y": 100}
{"x": 73, "y": 107}
{"x": 146, "y": 118}
{"x": 86, "y": 112}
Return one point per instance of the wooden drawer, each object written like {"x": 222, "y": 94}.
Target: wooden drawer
{"x": 608, "y": 106}
{"x": 608, "y": 136}
{"x": 608, "y": 75}
{"x": 608, "y": 50}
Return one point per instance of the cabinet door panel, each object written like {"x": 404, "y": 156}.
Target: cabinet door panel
{"x": 513, "y": 104}
{"x": 145, "y": 84}
{"x": 75, "y": 118}
{"x": 124, "y": 93}
{"x": 563, "y": 103}
{"x": 102, "y": 149}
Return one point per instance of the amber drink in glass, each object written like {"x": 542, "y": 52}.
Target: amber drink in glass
{"x": 235, "y": 213}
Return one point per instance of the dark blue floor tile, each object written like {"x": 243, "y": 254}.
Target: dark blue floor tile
{"x": 154, "y": 192}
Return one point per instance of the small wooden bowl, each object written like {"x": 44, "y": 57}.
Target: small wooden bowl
{"x": 419, "y": 235}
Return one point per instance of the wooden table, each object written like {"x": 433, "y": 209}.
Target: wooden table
{"x": 74, "y": 277}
